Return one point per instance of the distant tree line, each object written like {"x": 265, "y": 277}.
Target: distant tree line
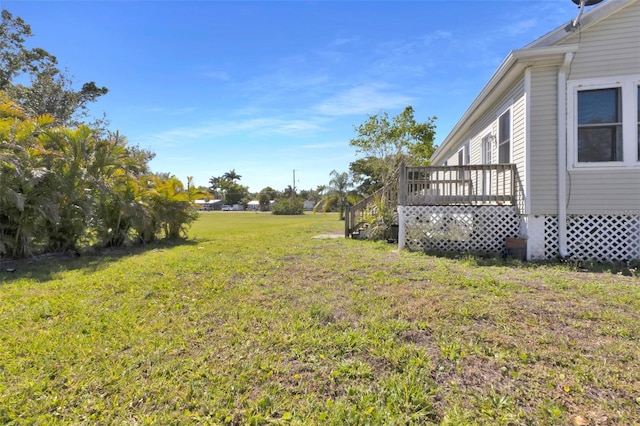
{"x": 383, "y": 143}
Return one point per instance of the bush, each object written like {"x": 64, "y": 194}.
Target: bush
{"x": 287, "y": 207}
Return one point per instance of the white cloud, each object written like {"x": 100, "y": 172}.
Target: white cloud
{"x": 166, "y": 111}
{"x": 177, "y": 136}
{"x": 364, "y": 99}
{"x": 325, "y": 145}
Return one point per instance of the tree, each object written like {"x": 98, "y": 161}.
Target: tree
{"x": 62, "y": 189}
{"x": 265, "y": 196}
{"x": 366, "y": 173}
{"x": 289, "y": 192}
{"x": 214, "y": 185}
{"x": 314, "y": 195}
{"x": 337, "y": 193}
{"x": 387, "y": 143}
{"x": 231, "y": 191}
{"x": 231, "y": 175}
{"x": 170, "y": 204}
{"x": 50, "y": 91}
{"x": 15, "y": 58}
{"x": 25, "y": 196}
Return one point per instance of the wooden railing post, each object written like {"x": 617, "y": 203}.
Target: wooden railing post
{"x": 402, "y": 185}
{"x": 347, "y": 216}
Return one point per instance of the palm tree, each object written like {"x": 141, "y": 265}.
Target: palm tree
{"x": 24, "y": 195}
{"x": 171, "y": 206}
{"x": 231, "y": 175}
{"x": 337, "y": 193}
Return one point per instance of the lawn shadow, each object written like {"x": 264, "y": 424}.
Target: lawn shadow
{"x": 44, "y": 267}
{"x": 629, "y": 268}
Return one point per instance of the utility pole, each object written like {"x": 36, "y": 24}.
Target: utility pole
{"x": 293, "y": 188}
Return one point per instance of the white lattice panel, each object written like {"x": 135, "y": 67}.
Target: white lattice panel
{"x": 604, "y": 238}
{"x": 459, "y": 228}
{"x": 551, "y": 245}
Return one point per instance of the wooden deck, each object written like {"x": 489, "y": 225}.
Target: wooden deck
{"x": 476, "y": 185}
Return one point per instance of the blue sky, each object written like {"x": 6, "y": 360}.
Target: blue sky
{"x": 266, "y": 87}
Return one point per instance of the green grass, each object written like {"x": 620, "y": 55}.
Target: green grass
{"x": 254, "y": 321}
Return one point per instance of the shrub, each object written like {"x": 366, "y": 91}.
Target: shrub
{"x": 288, "y": 207}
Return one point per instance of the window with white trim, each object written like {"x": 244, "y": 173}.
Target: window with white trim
{"x": 599, "y": 125}
{"x": 463, "y": 155}
{"x": 487, "y": 149}
{"x": 603, "y": 125}
{"x": 504, "y": 138}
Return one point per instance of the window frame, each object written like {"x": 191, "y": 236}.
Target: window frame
{"x": 637, "y": 103}
{"x": 487, "y": 154}
{"x": 509, "y": 140}
{"x": 629, "y": 118}
{"x": 464, "y": 155}
{"x": 613, "y": 140}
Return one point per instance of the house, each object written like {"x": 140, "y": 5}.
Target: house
{"x": 208, "y": 205}
{"x": 547, "y": 154}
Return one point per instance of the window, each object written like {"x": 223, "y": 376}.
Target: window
{"x": 504, "y": 138}
{"x": 463, "y": 155}
{"x": 603, "y": 127}
{"x": 487, "y": 149}
{"x": 599, "y": 125}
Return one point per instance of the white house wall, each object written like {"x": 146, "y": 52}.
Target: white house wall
{"x": 518, "y": 142}
{"x": 543, "y": 149}
{"x": 514, "y": 99}
{"x": 608, "y": 49}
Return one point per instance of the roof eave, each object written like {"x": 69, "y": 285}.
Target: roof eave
{"x": 510, "y": 70}
{"x": 516, "y": 61}
{"x": 589, "y": 18}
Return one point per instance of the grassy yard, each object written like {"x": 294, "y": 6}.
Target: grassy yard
{"x": 254, "y": 321}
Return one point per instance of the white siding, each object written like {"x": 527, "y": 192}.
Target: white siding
{"x": 518, "y": 143}
{"x": 604, "y": 192}
{"x": 515, "y": 100}
{"x": 543, "y": 148}
{"x": 610, "y": 48}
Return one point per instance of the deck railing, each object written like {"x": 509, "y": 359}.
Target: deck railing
{"x": 368, "y": 208}
{"x": 476, "y": 184}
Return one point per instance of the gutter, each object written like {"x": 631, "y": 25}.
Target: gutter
{"x": 562, "y": 154}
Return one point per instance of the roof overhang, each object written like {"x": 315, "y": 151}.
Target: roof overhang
{"x": 509, "y": 72}
{"x": 544, "y": 51}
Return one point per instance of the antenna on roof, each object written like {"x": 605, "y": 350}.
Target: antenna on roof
{"x": 581, "y": 4}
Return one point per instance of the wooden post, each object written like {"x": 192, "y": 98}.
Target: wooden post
{"x": 347, "y": 216}
{"x": 402, "y": 185}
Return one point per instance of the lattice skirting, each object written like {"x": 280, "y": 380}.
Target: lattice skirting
{"x": 603, "y": 238}
{"x": 459, "y": 228}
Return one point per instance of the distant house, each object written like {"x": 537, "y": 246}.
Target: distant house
{"x": 308, "y": 205}
{"x": 208, "y": 205}
{"x": 547, "y": 155}
{"x": 253, "y": 205}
